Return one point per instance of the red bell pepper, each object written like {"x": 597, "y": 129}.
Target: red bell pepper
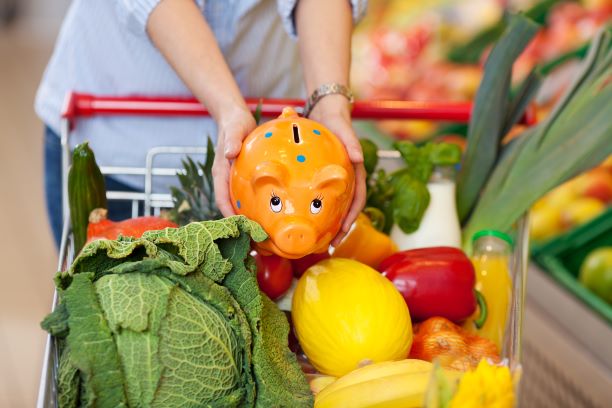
{"x": 436, "y": 281}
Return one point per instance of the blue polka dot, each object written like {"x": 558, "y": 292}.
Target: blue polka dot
{"x": 316, "y": 132}
{"x": 238, "y": 203}
{"x": 301, "y": 158}
{"x": 268, "y": 134}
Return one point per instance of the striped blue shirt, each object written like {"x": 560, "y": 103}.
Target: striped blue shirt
{"x": 103, "y": 48}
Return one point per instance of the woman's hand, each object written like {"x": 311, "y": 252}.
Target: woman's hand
{"x": 234, "y": 126}
{"x": 333, "y": 111}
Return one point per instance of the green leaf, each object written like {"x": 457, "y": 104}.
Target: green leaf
{"x": 193, "y": 247}
{"x": 376, "y": 216}
{"x": 417, "y": 159}
{"x": 540, "y": 11}
{"x": 521, "y": 99}
{"x": 577, "y": 53}
{"x": 410, "y": 201}
{"x": 444, "y": 154}
{"x": 370, "y": 155}
{"x": 257, "y": 113}
{"x": 273, "y": 362}
{"x": 195, "y": 199}
{"x": 197, "y": 342}
{"x": 134, "y": 305}
{"x": 471, "y": 52}
{"x": 489, "y": 112}
{"x": 56, "y": 323}
{"x": 380, "y": 195}
{"x": 91, "y": 345}
{"x": 68, "y": 383}
{"x": 207, "y": 166}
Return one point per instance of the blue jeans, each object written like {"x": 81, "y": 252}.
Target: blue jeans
{"x": 117, "y": 210}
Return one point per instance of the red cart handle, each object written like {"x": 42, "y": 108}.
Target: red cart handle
{"x": 80, "y": 105}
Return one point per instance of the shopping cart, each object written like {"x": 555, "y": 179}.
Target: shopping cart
{"x": 82, "y": 106}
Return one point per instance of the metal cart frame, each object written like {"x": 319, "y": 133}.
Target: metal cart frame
{"x": 80, "y": 106}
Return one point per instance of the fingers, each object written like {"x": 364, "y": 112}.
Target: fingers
{"x": 346, "y": 134}
{"x": 235, "y": 131}
{"x": 338, "y": 238}
{"x": 220, "y": 173}
{"x": 359, "y": 199}
{"x": 232, "y": 148}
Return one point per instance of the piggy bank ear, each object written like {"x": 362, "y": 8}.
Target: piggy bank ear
{"x": 269, "y": 173}
{"x": 332, "y": 176}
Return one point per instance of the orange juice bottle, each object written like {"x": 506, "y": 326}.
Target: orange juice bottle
{"x": 491, "y": 259}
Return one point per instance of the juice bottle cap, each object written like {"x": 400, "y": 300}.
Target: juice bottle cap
{"x": 493, "y": 233}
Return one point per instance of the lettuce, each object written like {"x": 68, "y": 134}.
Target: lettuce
{"x": 173, "y": 319}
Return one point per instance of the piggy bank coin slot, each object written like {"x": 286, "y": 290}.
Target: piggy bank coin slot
{"x": 296, "y": 133}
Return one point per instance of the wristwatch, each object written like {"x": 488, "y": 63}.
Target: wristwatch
{"x": 324, "y": 90}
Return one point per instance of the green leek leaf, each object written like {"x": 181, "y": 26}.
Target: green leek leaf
{"x": 488, "y": 117}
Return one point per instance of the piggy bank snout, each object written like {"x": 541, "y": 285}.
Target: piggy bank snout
{"x": 295, "y": 238}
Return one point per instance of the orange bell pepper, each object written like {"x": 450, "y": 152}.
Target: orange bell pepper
{"x": 365, "y": 244}
{"x": 455, "y": 348}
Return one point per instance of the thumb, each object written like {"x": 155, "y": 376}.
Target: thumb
{"x": 232, "y": 148}
{"x": 232, "y": 142}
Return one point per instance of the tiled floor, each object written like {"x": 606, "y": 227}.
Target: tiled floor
{"x": 27, "y": 254}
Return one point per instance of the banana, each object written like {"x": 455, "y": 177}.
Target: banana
{"x": 389, "y": 384}
{"x": 319, "y": 382}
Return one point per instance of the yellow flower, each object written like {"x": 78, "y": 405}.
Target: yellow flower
{"x": 488, "y": 386}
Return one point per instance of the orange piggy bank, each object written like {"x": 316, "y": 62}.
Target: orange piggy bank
{"x": 293, "y": 177}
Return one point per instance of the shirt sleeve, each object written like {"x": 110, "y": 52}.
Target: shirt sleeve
{"x": 286, "y": 8}
{"x": 135, "y": 13}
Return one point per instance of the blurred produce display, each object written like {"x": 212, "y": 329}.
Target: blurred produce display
{"x": 435, "y": 52}
{"x": 573, "y": 203}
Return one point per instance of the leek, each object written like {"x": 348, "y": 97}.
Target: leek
{"x": 575, "y": 137}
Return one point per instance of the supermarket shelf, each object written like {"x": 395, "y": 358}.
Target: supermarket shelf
{"x": 567, "y": 350}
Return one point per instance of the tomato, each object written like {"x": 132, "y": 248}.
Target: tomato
{"x": 274, "y": 275}
{"x": 300, "y": 265}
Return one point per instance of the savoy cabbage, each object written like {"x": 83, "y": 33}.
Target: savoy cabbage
{"x": 173, "y": 319}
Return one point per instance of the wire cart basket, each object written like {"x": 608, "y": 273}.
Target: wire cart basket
{"x": 82, "y": 106}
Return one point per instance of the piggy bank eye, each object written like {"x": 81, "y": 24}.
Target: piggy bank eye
{"x": 315, "y": 206}
{"x": 276, "y": 205}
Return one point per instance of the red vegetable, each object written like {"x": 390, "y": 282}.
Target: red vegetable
{"x": 102, "y": 228}
{"x": 437, "y": 281}
{"x": 274, "y": 275}
{"x": 301, "y": 264}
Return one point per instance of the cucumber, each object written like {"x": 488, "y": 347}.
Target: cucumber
{"x": 86, "y": 191}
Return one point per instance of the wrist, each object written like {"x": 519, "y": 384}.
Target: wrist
{"x": 231, "y": 111}
{"x": 331, "y": 105}
{"x": 327, "y": 92}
